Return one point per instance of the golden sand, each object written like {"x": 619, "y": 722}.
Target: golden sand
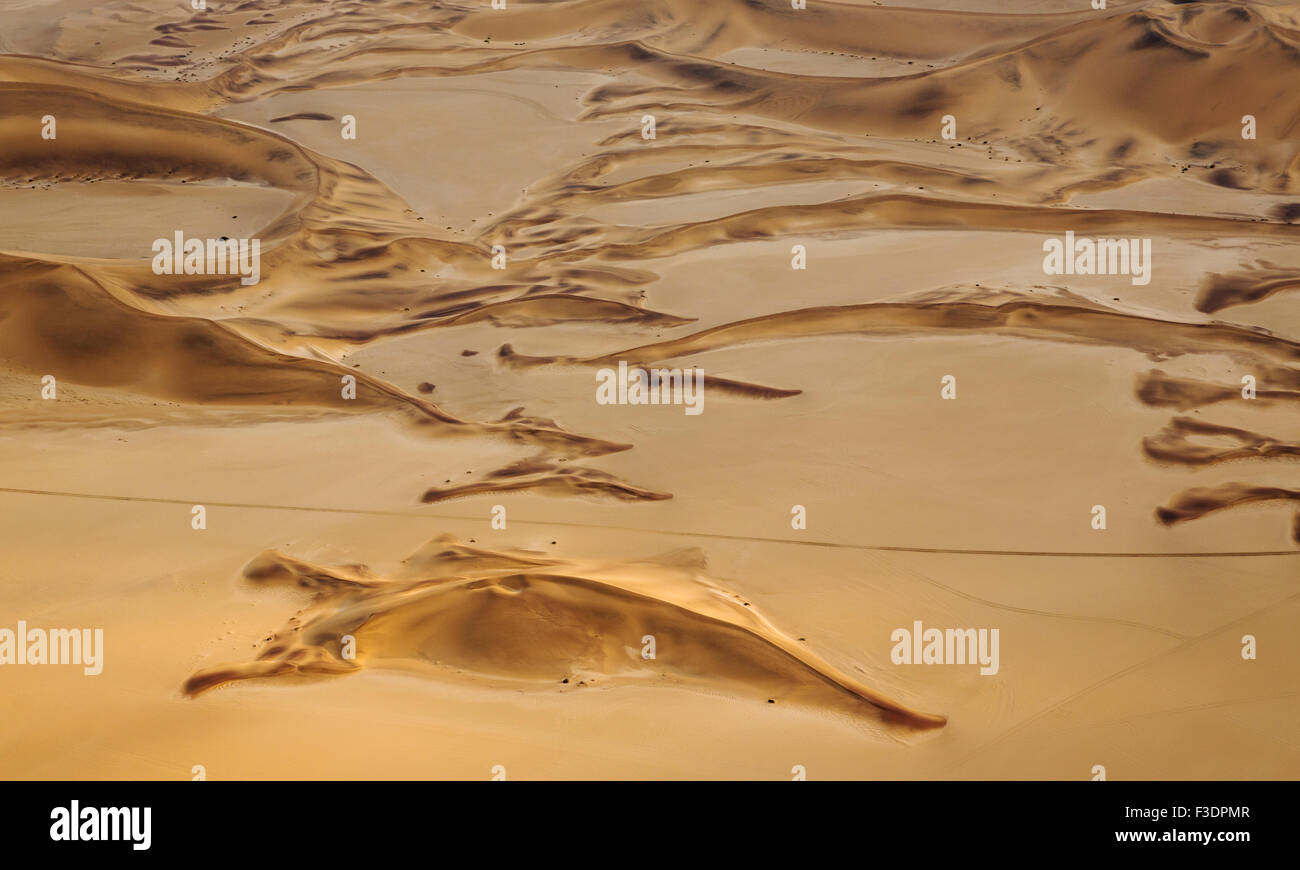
{"x": 426, "y": 550}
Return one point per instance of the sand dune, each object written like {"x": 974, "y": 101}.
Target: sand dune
{"x": 1175, "y": 443}
{"x": 546, "y": 622}
{"x": 1242, "y": 288}
{"x": 436, "y": 292}
{"x": 1159, "y": 389}
{"x": 1200, "y": 501}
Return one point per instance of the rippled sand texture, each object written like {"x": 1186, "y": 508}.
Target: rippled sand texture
{"x": 522, "y": 131}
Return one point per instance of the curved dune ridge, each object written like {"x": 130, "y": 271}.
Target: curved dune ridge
{"x": 526, "y": 619}
{"x": 1176, "y": 443}
{"x": 1049, "y": 117}
{"x": 1201, "y": 500}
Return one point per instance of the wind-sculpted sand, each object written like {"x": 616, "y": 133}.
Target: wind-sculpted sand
{"x": 1202, "y": 500}
{"x": 546, "y": 623}
{"x": 881, "y": 348}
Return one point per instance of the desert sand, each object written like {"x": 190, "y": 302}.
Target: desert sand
{"x": 426, "y": 550}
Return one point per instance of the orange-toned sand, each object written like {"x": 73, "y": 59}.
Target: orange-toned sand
{"x": 456, "y": 566}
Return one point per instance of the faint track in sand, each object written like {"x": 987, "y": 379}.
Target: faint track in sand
{"x": 711, "y": 535}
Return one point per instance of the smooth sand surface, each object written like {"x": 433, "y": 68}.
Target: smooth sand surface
{"x": 351, "y": 609}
